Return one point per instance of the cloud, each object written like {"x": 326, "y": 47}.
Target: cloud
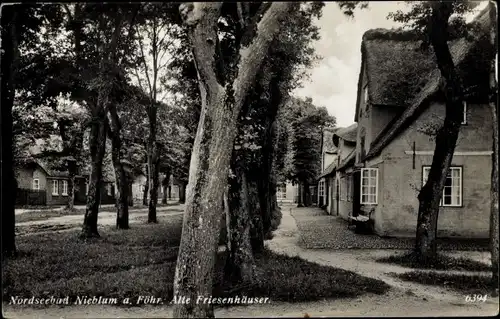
{"x": 333, "y": 82}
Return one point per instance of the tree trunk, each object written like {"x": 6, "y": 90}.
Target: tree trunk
{"x": 227, "y": 214}
{"x": 182, "y": 192}
{"x": 153, "y": 159}
{"x": 130, "y": 192}
{"x": 299, "y": 195}
{"x": 240, "y": 263}
{"x": 494, "y": 227}
{"x": 97, "y": 143}
{"x": 146, "y": 189}
{"x": 257, "y": 226}
{"x": 217, "y": 129}
{"x": 10, "y": 54}
{"x": 122, "y": 183}
{"x": 446, "y": 139}
{"x": 306, "y": 192}
{"x": 165, "y": 184}
{"x": 71, "y": 185}
{"x": 494, "y": 236}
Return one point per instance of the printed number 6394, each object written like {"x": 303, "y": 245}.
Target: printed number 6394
{"x": 476, "y": 298}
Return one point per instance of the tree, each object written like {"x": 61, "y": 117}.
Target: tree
{"x": 20, "y": 25}
{"x": 155, "y": 41}
{"x": 493, "y": 101}
{"x": 223, "y": 94}
{"x": 101, "y": 40}
{"x": 438, "y": 23}
{"x": 305, "y": 131}
{"x": 10, "y": 62}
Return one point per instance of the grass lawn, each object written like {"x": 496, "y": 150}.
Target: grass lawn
{"x": 50, "y": 213}
{"x": 141, "y": 261}
{"x": 466, "y": 284}
{"x": 442, "y": 262}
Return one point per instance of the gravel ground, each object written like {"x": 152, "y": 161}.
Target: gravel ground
{"x": 319, "y": 230}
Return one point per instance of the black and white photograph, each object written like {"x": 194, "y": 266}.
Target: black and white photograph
{"x": 249, "y": 159}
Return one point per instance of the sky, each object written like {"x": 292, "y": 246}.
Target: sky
{"x": 333, "y": 81}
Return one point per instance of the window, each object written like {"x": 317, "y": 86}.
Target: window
{"x": 65, "y": 188}
{"x": 322, "y": 188}
{"x": 369, "y": 186}
{"x": 366, "y": 93}
{"x": 36, "y": 184}
{"x": 452, "y": 191}
{"x": 55, "y": 187}
{"x": 464, "y": 119}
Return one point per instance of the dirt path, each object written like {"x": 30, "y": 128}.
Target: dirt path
{"x": 404, "y": 299}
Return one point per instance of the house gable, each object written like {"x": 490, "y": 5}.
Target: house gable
{"x": 472, "y": 65}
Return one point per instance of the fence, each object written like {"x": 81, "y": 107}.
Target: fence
{"x": 30, "y": 197}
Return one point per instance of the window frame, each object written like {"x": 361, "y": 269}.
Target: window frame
{"x": 369, "y": 186}
{"x": 37, "y": 184}
{"x": 64, "y": 191}
{"x": 460, "y": 187}
{"x": 55, "y": 183}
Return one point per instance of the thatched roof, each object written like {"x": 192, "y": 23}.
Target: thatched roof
{"x": 470, "y": 67}
{"x": 346, "y": 133}
{"x": 329, "y": 170}
{"x": 348, "y": 161}
{"x": 397, "y": 67}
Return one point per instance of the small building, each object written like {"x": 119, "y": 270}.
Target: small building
{"x": 39, "y": 185}
{"x": 400, "y": 106}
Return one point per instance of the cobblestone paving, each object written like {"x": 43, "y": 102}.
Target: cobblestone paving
{"x": 321, "y": 231}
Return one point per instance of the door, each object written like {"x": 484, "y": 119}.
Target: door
{"x": 356, "y": 200}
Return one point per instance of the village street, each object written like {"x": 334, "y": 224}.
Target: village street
{"x": 404, "y": 298}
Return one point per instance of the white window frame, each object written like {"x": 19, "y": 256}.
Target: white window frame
{"x": 425, "y": 174}
{"x": 55, "y": 184}
{"x": 65, "y": 188}
{"x": 369, "y": 186}
{"x": 37, "y": 184}
{"x": 464, "y": 119}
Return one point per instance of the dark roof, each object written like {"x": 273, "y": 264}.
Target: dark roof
{"x": 460, "y": 50}
{"x": 347, "y": 133}
{"x": 329, "y": 170}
